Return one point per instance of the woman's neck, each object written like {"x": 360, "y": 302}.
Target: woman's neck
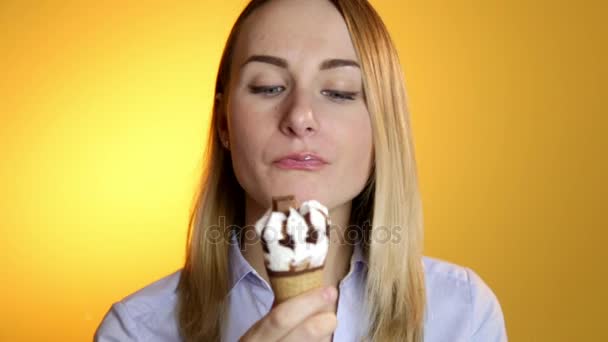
{"x": 337, "y": 262}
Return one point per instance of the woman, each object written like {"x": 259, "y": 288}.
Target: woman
{"x": 310, "y": 101}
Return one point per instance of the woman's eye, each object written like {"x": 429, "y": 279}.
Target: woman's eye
{"x": 340, "y": 95}
{"x": 264, "y": 90}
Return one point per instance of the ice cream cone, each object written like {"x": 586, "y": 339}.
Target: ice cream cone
{"x": 290, "y": 284}
{"x": 295, "y": 243}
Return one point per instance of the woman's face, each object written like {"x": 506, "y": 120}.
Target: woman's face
{"x": 296, "y": 117}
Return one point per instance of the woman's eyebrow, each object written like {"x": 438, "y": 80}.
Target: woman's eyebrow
{"x": 336, "y": 63}
{"x": 282, "y": 63}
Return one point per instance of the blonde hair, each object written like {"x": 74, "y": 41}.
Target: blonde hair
{"x": 395, "y": 286}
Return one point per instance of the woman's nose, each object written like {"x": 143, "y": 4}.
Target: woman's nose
{"x": 299, "y": 119}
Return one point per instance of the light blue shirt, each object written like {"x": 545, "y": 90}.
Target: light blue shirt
{"x": 460, "y": 305}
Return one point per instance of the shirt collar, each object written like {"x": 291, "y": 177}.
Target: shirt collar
{"x": 240, "y": 267}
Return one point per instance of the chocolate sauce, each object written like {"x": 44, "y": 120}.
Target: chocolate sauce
{"x": 287, "y": 241}
{"x": 312, "y": 236}
{"x": 264, "y": 244}
{"x": 283, "y": 204}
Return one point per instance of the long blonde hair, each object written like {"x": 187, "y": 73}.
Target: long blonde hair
{"x": 395, "y": 286}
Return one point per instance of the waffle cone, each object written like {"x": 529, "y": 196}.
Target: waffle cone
{"x": 290, "y": 284}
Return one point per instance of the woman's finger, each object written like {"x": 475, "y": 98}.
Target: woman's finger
{"x": 316, "y": 328}
{"x": 286, "y": 316}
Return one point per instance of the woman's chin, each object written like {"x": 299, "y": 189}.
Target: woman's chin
{"x": 302, "y": 192}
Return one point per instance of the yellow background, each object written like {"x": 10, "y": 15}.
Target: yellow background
{"x": 104, "y": 107}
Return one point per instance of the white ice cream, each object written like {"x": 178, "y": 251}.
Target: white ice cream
{"x": 281, "y": 258}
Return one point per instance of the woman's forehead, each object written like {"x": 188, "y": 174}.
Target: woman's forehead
{"x": 295, "y": 30}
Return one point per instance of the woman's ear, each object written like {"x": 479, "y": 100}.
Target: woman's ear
{"x": 222, "y": 121}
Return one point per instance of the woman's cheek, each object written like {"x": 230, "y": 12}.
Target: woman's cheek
{"x": 251, "y": 138}
{"x": 360, "y": 148}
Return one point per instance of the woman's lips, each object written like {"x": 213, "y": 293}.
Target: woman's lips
{"x": 300, "y": 162}
{"x": 292, "y": 164}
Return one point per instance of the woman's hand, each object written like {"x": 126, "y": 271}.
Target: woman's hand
{"x": 307, "y": 317}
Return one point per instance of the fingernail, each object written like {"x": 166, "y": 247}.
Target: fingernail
{"x": 330, "y": 294}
